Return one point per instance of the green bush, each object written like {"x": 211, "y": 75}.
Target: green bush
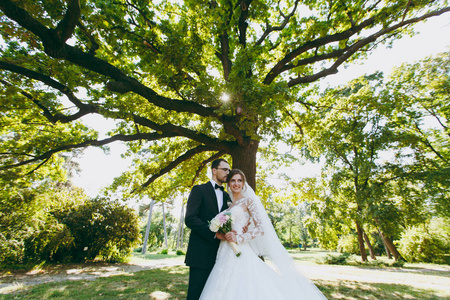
{"x": 348, "y": 244}
{"x": 426, "y": 243}
{"x": 336, "y": 259}
{"x": 180, "y": 252}
{"x": 51, "y": 242}
{"x": 11, "y": 250}
{"x": 103, "y": 229}
{"x": 164, "y": 251}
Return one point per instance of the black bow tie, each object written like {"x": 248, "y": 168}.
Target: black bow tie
{"x": 218, "y": 187}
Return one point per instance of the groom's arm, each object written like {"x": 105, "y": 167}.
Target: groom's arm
{"x": 192, "y": 218}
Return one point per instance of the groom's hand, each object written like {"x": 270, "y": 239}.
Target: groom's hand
{"x": 220, "y": 236}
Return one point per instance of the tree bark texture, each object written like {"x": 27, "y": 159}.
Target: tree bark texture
{"x": 369, "y": 245}
{"x": 361, "y": 242}
{"x": 244, "y": 158}
{"x": 165, "y": 228}
{"x": 391, "y": 246}
{"x": 147, "y": 230}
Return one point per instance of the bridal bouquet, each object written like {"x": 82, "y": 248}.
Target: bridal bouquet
{"x": 222, "y": 223}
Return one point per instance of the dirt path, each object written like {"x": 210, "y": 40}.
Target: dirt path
{"x": 13, "y": 281}
{"x": 435, "y": 278}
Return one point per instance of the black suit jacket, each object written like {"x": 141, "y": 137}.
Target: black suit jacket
{"x": 201, "y": 208}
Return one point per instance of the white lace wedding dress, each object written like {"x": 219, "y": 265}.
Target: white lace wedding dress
{"x": 248, "y": 277}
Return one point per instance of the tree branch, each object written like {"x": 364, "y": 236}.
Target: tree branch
{"x": 190, "y": 153}
{"x": 281, "y": 65}
{"x": 118, "y": 137}
{"x": 44, "y": 79}
{"x": 271, "y": 29}
{"x": 357, "y": 46}
{"x": 242, "y": 22}
{"x": 276, "y": 70}
{"x": 204, "y": 163}
{"x": 181, "y": 131}
{"x": 94, "y": 45}
{"x": 314, "y": 59}
{"x": 66, "y": 26}
{"x": 120, "y": 82}
{"x": 427, "y": 143}
{"x": 223, "y": 55}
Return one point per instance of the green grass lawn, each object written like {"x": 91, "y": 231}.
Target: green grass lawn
{"x": 165, "y": 283}
{"x": 171, "y": 283}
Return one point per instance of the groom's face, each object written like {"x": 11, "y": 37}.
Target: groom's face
{"x": 222, "y": 172}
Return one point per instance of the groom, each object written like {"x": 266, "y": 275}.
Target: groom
{"x": 204, "y": 203}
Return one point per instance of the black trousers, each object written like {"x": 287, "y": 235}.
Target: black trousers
{"x": 197, "y": 280}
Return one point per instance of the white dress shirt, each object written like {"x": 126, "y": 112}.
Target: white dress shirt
{"x": 219, "y": 194}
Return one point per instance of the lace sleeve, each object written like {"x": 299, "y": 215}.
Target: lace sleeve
{"x": 257, "y": 230}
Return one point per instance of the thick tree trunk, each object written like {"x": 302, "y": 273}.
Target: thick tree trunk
{"x": 361, "y": 242}
{"x": 386, "y": 249}
{"x": 391, "y": 246}
{"x": 244, "y": 158}
{"x": 369, "y": 245}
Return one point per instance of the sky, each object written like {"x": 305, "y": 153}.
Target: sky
{"x": 99, "y": 169}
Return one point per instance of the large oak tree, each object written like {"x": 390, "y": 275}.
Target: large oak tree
{"x": 161, "y": 70}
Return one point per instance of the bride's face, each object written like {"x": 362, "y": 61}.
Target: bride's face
{"x": 236, "y": 183}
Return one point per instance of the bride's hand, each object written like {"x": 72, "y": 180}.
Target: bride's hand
{"x": 245, "y": 228}
{"x": 231, "y": 236}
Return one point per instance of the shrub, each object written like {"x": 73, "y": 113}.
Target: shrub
{"x": 52, "y": 242}
{"x": 102, "y": 228}
{"x": 348, "y": 244}
{"x": 164, "y": 251}
{"x": 180, "y": 252}
{"x": 426, "y": 243}
{"x": 336, "y": 259}
{"x": 11, "y": 250}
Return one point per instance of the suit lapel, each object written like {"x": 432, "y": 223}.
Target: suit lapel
{"x": 226, "y": 198}
{"x": 212, "y": 194}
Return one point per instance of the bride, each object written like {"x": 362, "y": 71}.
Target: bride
{"x": 247, "y": 276}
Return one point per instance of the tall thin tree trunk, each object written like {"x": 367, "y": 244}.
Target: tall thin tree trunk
{"x": 369, "y": 245}
{"x": 147, "y": 230}
{"x": 180, "y": 227}
{"x": 182, "y": 231}
{"x": 164, "y": 225}
{"x": 386, "y": 249}
{"x": 391, "y": 247}
{"x": 361, "y": 242}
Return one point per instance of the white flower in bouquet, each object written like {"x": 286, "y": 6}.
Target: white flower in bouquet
{"x": 222, "y": 223}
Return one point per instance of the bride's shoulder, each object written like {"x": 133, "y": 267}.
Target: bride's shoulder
{"x": 246, "y": 200}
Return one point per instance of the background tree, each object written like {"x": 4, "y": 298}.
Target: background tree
{"x": 160, "y": 70}
{"x": 383, "y": 155}
{"x": 156, "y": 234}
{"x": 26, "y": 206}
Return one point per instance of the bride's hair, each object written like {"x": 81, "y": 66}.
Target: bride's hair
{"x": 234, "y": 172}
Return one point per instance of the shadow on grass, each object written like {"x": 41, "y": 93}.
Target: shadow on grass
{"x": 171, "y": 283}
{"x": 406, "y": 270}
{"x": 373, "y": 291}
{"x": 156, "y": 256}
{"x": 51, "y": 268}
{"x": 158, "y": 284}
